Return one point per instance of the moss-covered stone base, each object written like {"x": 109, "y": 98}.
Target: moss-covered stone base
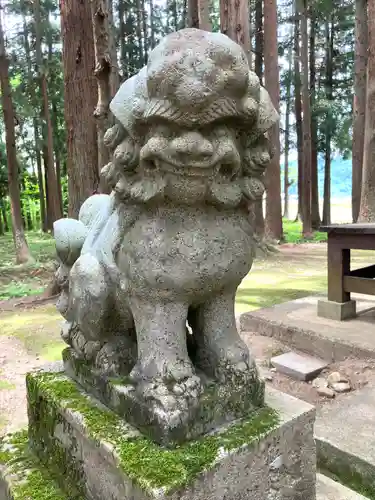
{"x": 22, "y": 476}
{"x": 99, "y": 456}
{"x": 219, "y": 404}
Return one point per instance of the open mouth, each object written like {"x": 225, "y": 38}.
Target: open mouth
{"x": 193, "y": 169}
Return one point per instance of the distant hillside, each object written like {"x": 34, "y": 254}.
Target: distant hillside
{"x": 341, "y": 177}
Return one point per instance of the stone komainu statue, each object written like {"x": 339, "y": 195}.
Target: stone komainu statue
{"x": 172, "y": 242}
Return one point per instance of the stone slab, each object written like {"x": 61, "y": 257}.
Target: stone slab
{"x": 261, "y": 458}
{"x": 297, "y": 366}
{"x": 327, "y": 489}
{"x": 297, "y": 324}
{"x": 345, "y": 437}
{"x": 217, "y": 405}
{"x": 338, "y": 311}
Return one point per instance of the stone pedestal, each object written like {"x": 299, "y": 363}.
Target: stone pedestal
{"x": 95, "y": 455}
{"x": 338, "y": 311}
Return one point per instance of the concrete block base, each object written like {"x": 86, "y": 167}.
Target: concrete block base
{"x": 94, "y": 454}
{"x": 336, "y": 310}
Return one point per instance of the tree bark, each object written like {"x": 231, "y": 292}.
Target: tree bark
{"x": 55, "y": 128}
{"x": 204, "y": 15}
{"x": 54, "y": 199}
{"x": 306, "y": 125}
{"x": 193, "y": 14}
{"x": 315, "y": 216}
{"x": 328, "y": 128}
{"x": 81, "y": 94}
{"x": 298, "y": 110}
{"x": 37, "y": 147}
{"x": 359, "y": 102}
{"x": 138, "y": 30}
{"x": 152, "y": 23}
{"x": 4, "y": 215}
{"x": 259, "y": 41}
{"x": 367, "y": 208}
{"x": 274, "y": 226}
{"x": 100, "y": 16}
{"x": 234, "y": 22}
{"x": 123, "y": 48}
{"x": 114, "y": 79}
{"x": 22, "y": 251}
{"x": 287, "y": 134}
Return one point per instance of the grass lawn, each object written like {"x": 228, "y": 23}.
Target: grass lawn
{"x": 294, "y": 271}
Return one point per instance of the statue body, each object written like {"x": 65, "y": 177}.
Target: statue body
{"x": 150, "y": 272}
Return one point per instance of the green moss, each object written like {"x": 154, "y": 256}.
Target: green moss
{"x": 348, "y": 475}
{"x": 152, "y": 466}
{"x": 5, "y": 385}
{"x": 29, "y": 479}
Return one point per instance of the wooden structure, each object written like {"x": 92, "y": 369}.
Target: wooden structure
{"x": 342, "y": 280}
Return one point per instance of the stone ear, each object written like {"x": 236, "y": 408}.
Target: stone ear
{"x": 70, "y": 235}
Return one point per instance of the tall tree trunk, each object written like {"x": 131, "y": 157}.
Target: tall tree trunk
{"x": 306, "y": 124}
{"x": 234, "y": 22}
{"x": 193, "y": 14}
{"x": 2, "y": 232}
{"x": 43, "y": 213}
{"x": 114, "y": 78}
{"x": 80, "y": 99}
{"x": 37, "y": 145}
{"x": 20, "y": 244}
{"x": 298, "y": 109}
{"x": 328, "y": 128}
{"x": 258, "y": 205}
{"x": 122, "y": 36}
{"x": 138, "y": 30}
{"x": 152, "y": 23}
{"x": 315, "y": 216}
{"x": 287, "y": 134}
{"x": 101, "y": 30}
{"x": 49, "y": 222}
{"x": 274, "y": 226}
{"x": 55, "y": 128}
{"x": 4, "y": 215}
{"x": 145, "y": 30}
{"x": 54, "y": 199}
{"x": 359, "y": 102}
{"x": 259, "y": 42}
{"x": 367, "y": 209}
{"x": 204, "y": 15}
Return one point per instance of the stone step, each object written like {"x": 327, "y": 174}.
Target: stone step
{"x": 21, "y": 475}
{"x": 345, "y": 439}
{"x": 327, "y": 489}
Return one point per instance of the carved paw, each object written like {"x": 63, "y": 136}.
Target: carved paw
{"x": 154, "y": 369}
{"x": 235, "y": 365}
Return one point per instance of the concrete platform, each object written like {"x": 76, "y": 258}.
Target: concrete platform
{"x": 326, "y": 489}
{"x": 297, "y": 324}
{"x": 345, "y": 439}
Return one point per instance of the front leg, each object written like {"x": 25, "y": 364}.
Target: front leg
{"x": 221, "y": 353}
{"x": 161, "y": 338}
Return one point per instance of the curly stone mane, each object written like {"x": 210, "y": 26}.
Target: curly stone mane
{"x": 200, "y": 81}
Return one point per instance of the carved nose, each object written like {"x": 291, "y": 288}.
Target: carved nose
{"x": 194, "y": 145}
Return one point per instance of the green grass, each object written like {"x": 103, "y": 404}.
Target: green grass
{"x": 42, "y": 247}
{"x": 293, "y": 233}
{"x": 6, "y": 385}
{"x": 18, "y": 281}
{"x": 38, "y": 330}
